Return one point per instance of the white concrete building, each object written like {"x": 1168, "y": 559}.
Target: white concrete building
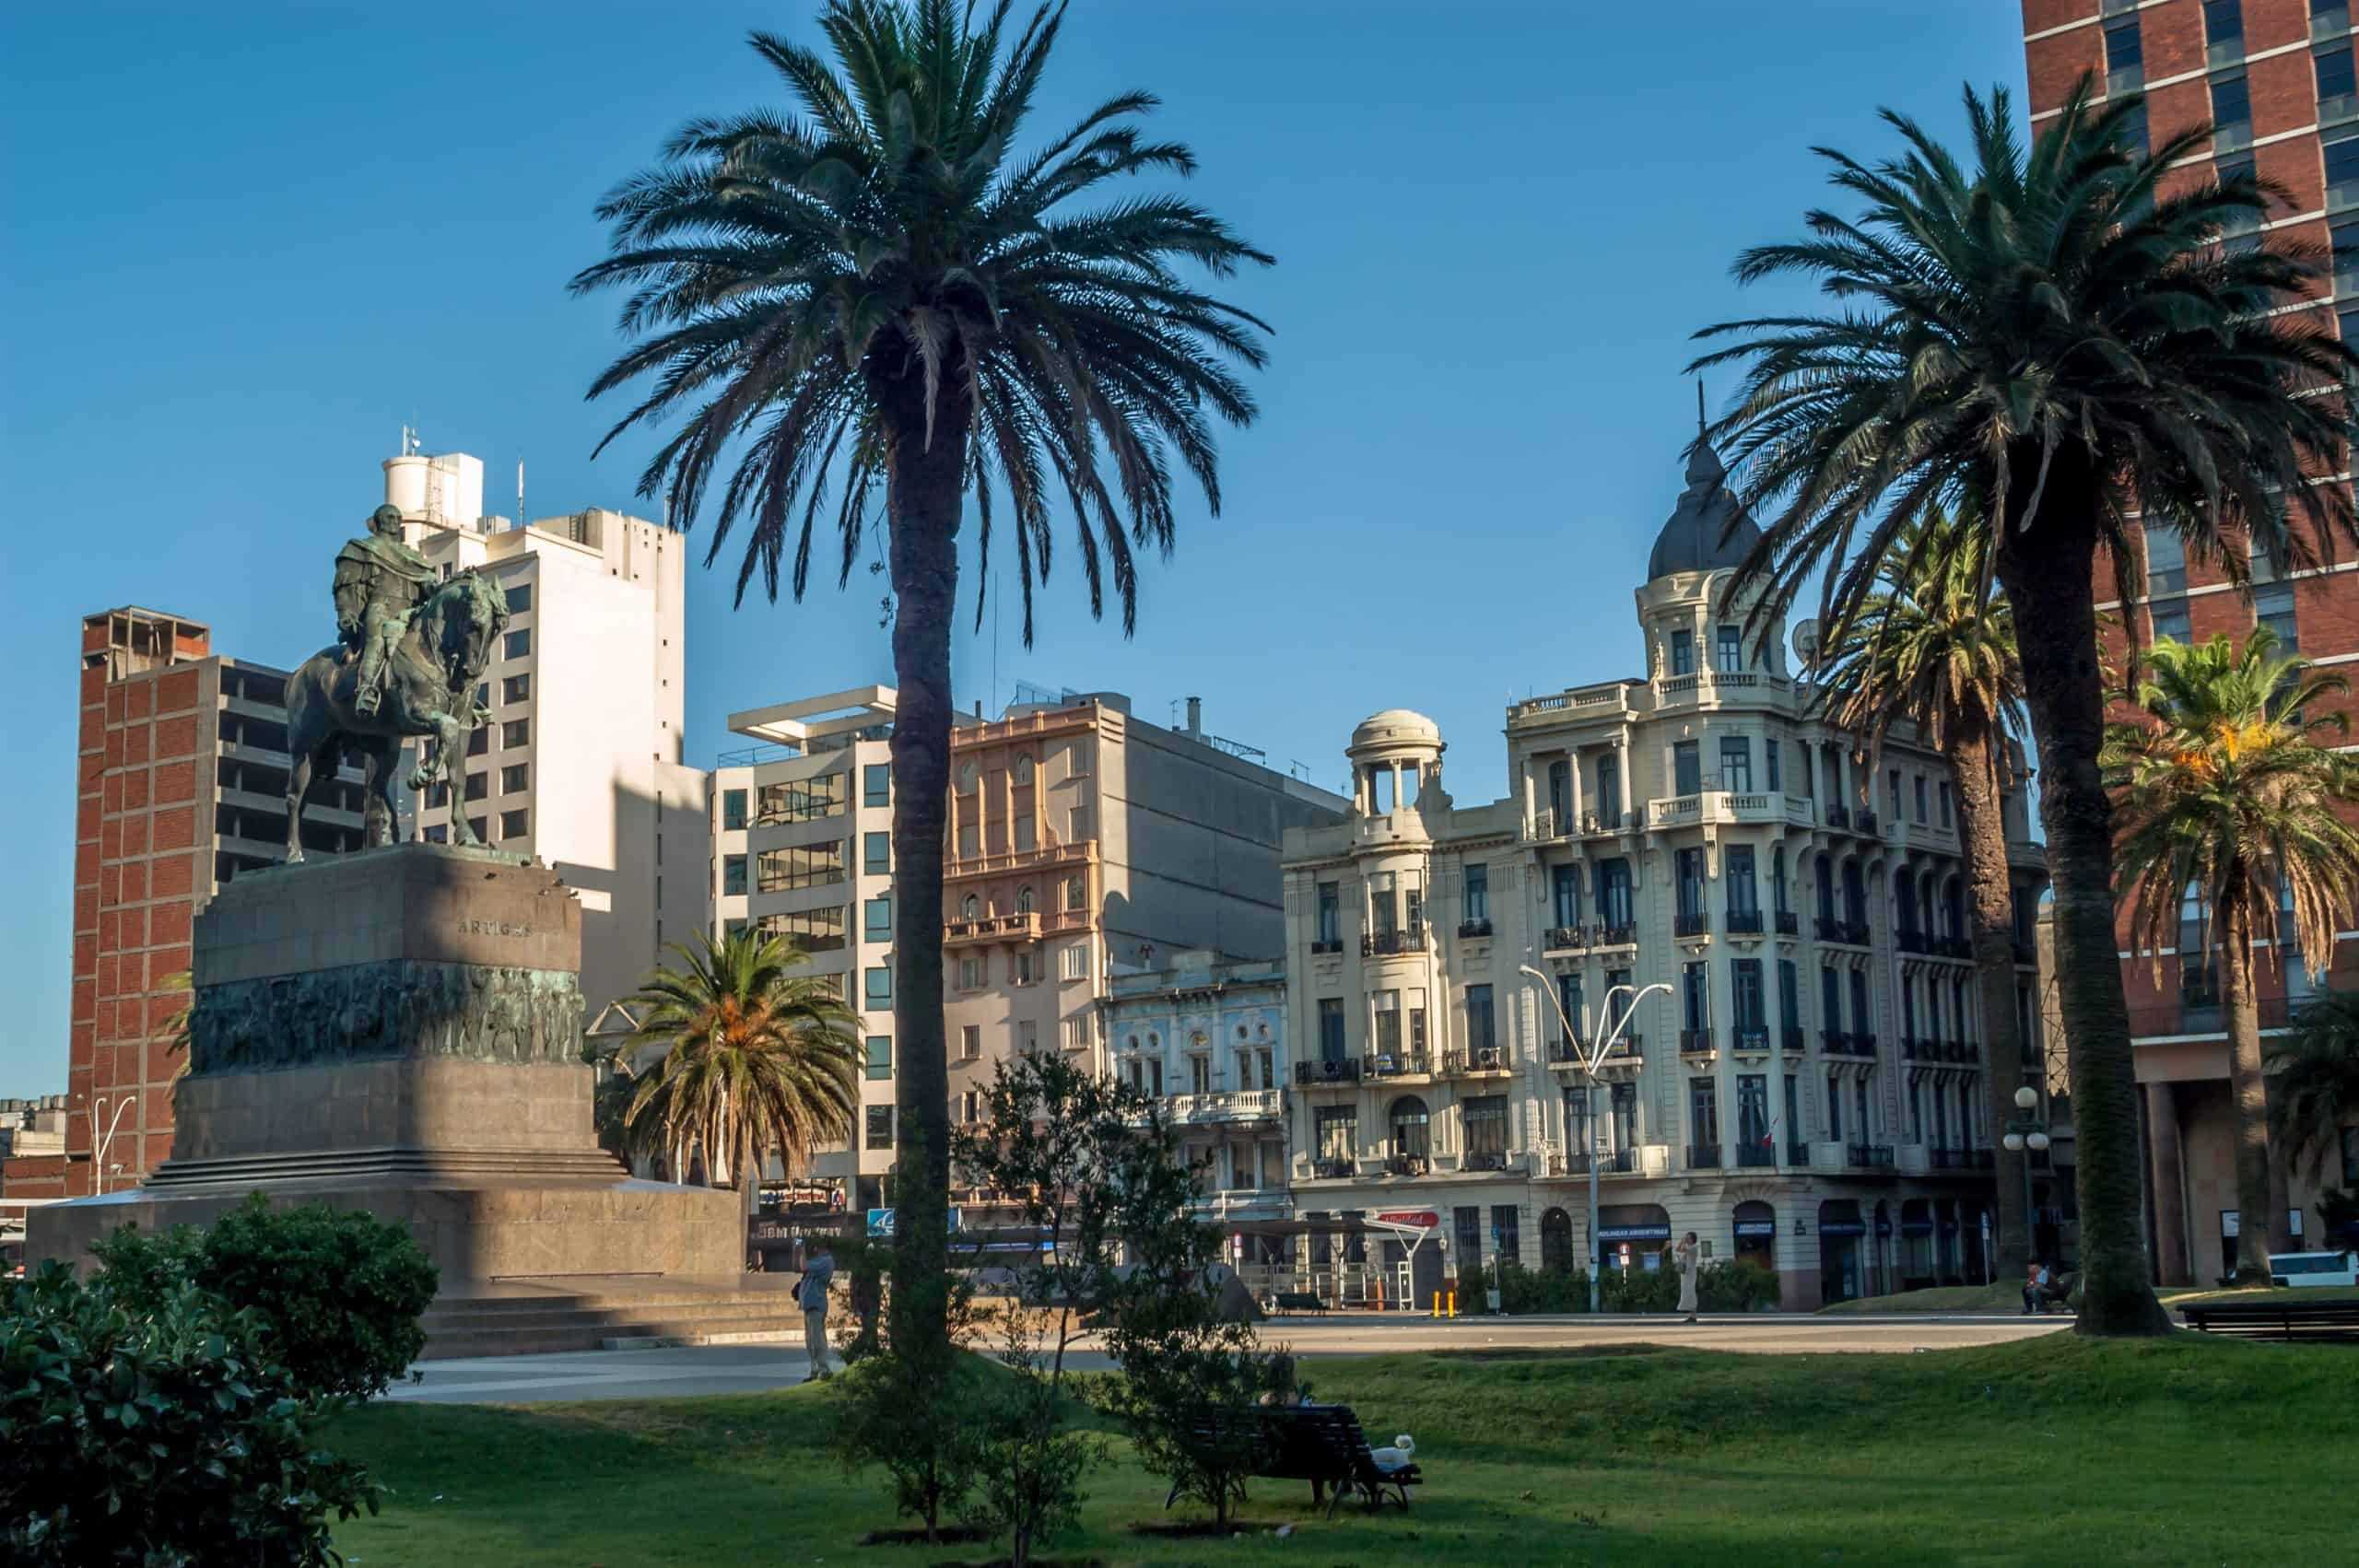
{"x": 582, "y": 765}
{"x": 1808, "y": 1092}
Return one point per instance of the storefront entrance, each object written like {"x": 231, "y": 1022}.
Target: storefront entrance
{"x": 1756, "y": 1226}
{"x": 1631, "y": 1235}
{"x": 1842, "y": 1244}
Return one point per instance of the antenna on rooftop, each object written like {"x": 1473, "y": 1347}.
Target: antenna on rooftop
{"x": 1700, "y": 421}
{"x": 520, "y": 519}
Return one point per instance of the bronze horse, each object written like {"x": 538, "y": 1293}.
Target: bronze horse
{"x": 429, "y": 691}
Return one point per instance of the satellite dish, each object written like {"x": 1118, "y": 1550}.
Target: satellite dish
{"x": 1806, "y": 643}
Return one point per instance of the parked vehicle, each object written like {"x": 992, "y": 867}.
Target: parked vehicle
{"x": 2300, "y": 1268}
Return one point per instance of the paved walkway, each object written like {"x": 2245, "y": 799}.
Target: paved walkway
{"x": 738, "y": 1369}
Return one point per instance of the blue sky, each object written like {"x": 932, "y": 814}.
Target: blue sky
{"x": 245, "y": 244}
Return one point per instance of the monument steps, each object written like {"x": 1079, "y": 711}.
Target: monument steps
{"x": 634, "y": 1317}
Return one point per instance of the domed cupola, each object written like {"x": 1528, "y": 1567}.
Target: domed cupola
{"x": 1708, "y": 530}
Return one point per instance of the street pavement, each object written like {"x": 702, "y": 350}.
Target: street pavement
{"x": 749, "y": 1368}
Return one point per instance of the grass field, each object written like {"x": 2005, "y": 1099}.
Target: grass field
{"x": 2007, "y": 1296}
{"x": 2053, "y": 1450}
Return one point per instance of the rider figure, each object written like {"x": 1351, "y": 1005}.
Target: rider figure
{"x": 378, "y": 580}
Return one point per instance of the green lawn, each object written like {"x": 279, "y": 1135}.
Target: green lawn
{"x": 2005, "y": 1296}
{"x": 2053, "y": 1450}
{"x": 2201, "y": 1296}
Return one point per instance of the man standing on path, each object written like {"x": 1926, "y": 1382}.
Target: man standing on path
{"x": 811, "y": 1295}
{"x": 1682, "y": 1258}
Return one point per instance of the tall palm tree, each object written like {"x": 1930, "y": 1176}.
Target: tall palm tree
{"x": 2227, "y": 787}
{"x": 880, "y": 293}
{"x": 2314, "y": 1081}
{"x": 755, "y": 1057}
{"x": 2047, "y": 332}
{"x": 1928, "y": 647}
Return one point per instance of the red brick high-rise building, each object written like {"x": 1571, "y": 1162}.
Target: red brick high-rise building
{"x": 2275, "y": 79}
{"x": 180, "y": 785}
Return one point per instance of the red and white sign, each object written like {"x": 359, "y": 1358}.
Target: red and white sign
{"x": 1418, "y": 1219}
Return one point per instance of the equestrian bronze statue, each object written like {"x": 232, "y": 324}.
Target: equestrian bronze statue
{"x": 411, "y": 655}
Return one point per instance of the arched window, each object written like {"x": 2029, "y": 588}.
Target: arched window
{"x": 1412, "y": 1136}
{"x": 1132, "y": 1042}
{"x": 1022, "y": 768}
{"x": 1557, "y": 1241}
{"x": 1024, "y": 899}
{"x": 1076, "y": 892}
{"x": 970, "y": 907}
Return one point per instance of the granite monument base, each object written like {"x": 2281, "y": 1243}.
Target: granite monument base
{"x": 400, "y": 1031}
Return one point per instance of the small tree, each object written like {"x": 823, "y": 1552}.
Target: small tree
{"x": 1028, "y": 1461}
{"x": 916, "y": 1412}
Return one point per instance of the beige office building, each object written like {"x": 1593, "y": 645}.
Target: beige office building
{"x": 1084, "y": 843}
{"x": 1805, "y": 1089}
{"x": 580, "y": 767}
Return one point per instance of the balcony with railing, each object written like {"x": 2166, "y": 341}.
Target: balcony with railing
{"x": 1837, "y": 816}
{"x": 1909, "y": 940}
{"x": 1797, "y": 1154}
{"x": 1755, "y": 1155}
{"x": 1342, "y": 1070}
{"x": 1745, "y": 922}
{"x": 1703, "y": 1156}
{"x": 1864, "y": 821}
{"x": 1564, "y": 939}
{"x": 1331, "y": 945}
{"x": 1407, "y": 1165}
{"x": 1396, "y": 1064}
{"x": 1386, "y": 945}
{"x": 1789, "y": 923}
{"x": 1868, "y": 1156}
{"x": 1792, "y": 1037}
{"x": 1469, "y": 929}
{"x": 1690, "y": 924}
{"x": 1573, "y": 1165}
{"x": 1483, "y": 1160}
{"x": 1477, "y": 1062}
{"x": 1328, "y": 1169}
{"x": 1614, "y": 936}
{"x": 1749, "y": 1038}
{"x": 1697, "y": 1042}
{"x": 1024, "y": 926}
{"x": 1226, "y": 1105}
{"x": 1835, "y": 1042}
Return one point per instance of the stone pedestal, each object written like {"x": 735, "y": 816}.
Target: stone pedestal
{"x": 400, "y": 1031}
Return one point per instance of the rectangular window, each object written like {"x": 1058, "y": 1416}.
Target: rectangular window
{"x": 479, "y": 741}
{"x": 515, "y": 824}
{"x": 1560, "y": 794}
{"x": 1736, "y": 764}
{"x": 2224, "y": 30}
{"x": 516, "y": 689}
{"x": 1331, "y": 915}
{"x": 1506, "y": 1231}
{"x": 1486, "y": 1124}
{"x": 970, "y": 1042}
{"x": 970, "y": 974}
{"x": 1892, "y": 794}
{"x": 1835, "y": 1105}
{"x": 1331, "y": 1029}
{"x": 519, "y": 644}
{"x": 515, "y": 777}
{"x": 2124, "y": 55}
{"x": 1027, "y": 1037}
{"x": 1948, "y": 819}
{"x": 733, "y": 875}
{"x": 1078, "y": 1032}
{"x": 1794, "y": 1110}
{"x": 1023, "y": 969}
{"x": 1920, "y": 799}
{"x": 877, "y": 784}
{"x": 1778, "y": 880}
{"x": 517, "y": 733}
{"x": 2230, "y": 112}
{"x": 1564, "y": 890}
{"x": 803, "y": 800}
{"x": 1569, "y": 997}
{"x": 1478, "y": 892}
{"x": 1752, "y": 1005}
{"x": 733, "y": 810}
{"x": 1830, "y": 1001}
{"x": 880, "y": 1127}
{"x": 1613, "y": 894}
{"x": 1027, "y": 836}
{"x": 877, "y": 853}
{"x": 439, "y": 834}
{"x": 1703, "y": 1118}
{"x": 2273, "y": 607}
{"x": 1690, "y": 866}
{"x": 1861, "y": 1021}
{"x": 1753, "y": 1111}
{"x": 519, "y": 598}
{"x": 1076, "y": 961}
{"x": 809, "y": 930}
{"x": 1728, "y": 650}
{"x": 1789, "y": 994}
{"x": 1339, "y": 1132}
{"x": 880, "y": 1056}
{"x": 2338, "y": 91}
{"x": 1480, "y": 1033}
{"x": 879, "y": 986}
{"x": 1687, "y": 767}
{"x": 1683, "y": 651}
{"x": 1694, "y": 998}
{"x": 2170, "y": 620}
{"x": 1578, "y": 1136}
{"x": 1769, "y": 754}
{"x": 800, "y": 865}
{"x": 1736, "y": 870}
{"x": 877, "y": 918}
{"x": 1609, "y": 791}
{"x": 478, "y": 785}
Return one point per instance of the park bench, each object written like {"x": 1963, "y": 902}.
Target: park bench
{"x": 1298, "y": 1301}
{"x": 2277, "y": 1319}
{"x": 1321, "y": 1444}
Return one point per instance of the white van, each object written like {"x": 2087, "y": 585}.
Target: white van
{"x": 2297, "y": 1268}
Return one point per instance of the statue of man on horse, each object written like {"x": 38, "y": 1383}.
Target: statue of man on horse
{"x": 409, "y": 656}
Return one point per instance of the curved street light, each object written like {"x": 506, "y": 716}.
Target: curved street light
{"x": 99, "y": 1156}
{"x": 1588, "y": 1065}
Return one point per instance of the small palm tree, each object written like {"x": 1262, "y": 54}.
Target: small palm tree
{"x": 2045, "y": 330}
{"x": 2226, "y": 790}
{"x": 2314, "y": 1081}
{"x": 880, "y": 297}
{"x": 755, "y": 1057}
{"x": 1928, "y": 647}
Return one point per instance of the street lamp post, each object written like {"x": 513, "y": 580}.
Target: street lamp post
{"x": 99, "y": 1156}
{"x": 1588, "y": 1065}
{"x": 2026, "y": 1131}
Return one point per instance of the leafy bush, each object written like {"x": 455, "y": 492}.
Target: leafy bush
{"x": 164, "y": 1436}
{"x": 338, "y": 1292}
{"x": 1525, "y": 1290}
{"x": 920, "y": 1420}
{"x": 1640, "y": 1290}
{"x": 1472, "y": 1284}
{"x": 1735, "y": 1284}
{"x": 1028, "y": 1463}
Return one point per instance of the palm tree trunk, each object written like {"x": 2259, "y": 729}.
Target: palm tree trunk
{"x": 1990, "y": 914}
{"x": 2249, "y": 1088}
{"x": 2049, "y": 583}
{"x": 926, "y": 492}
